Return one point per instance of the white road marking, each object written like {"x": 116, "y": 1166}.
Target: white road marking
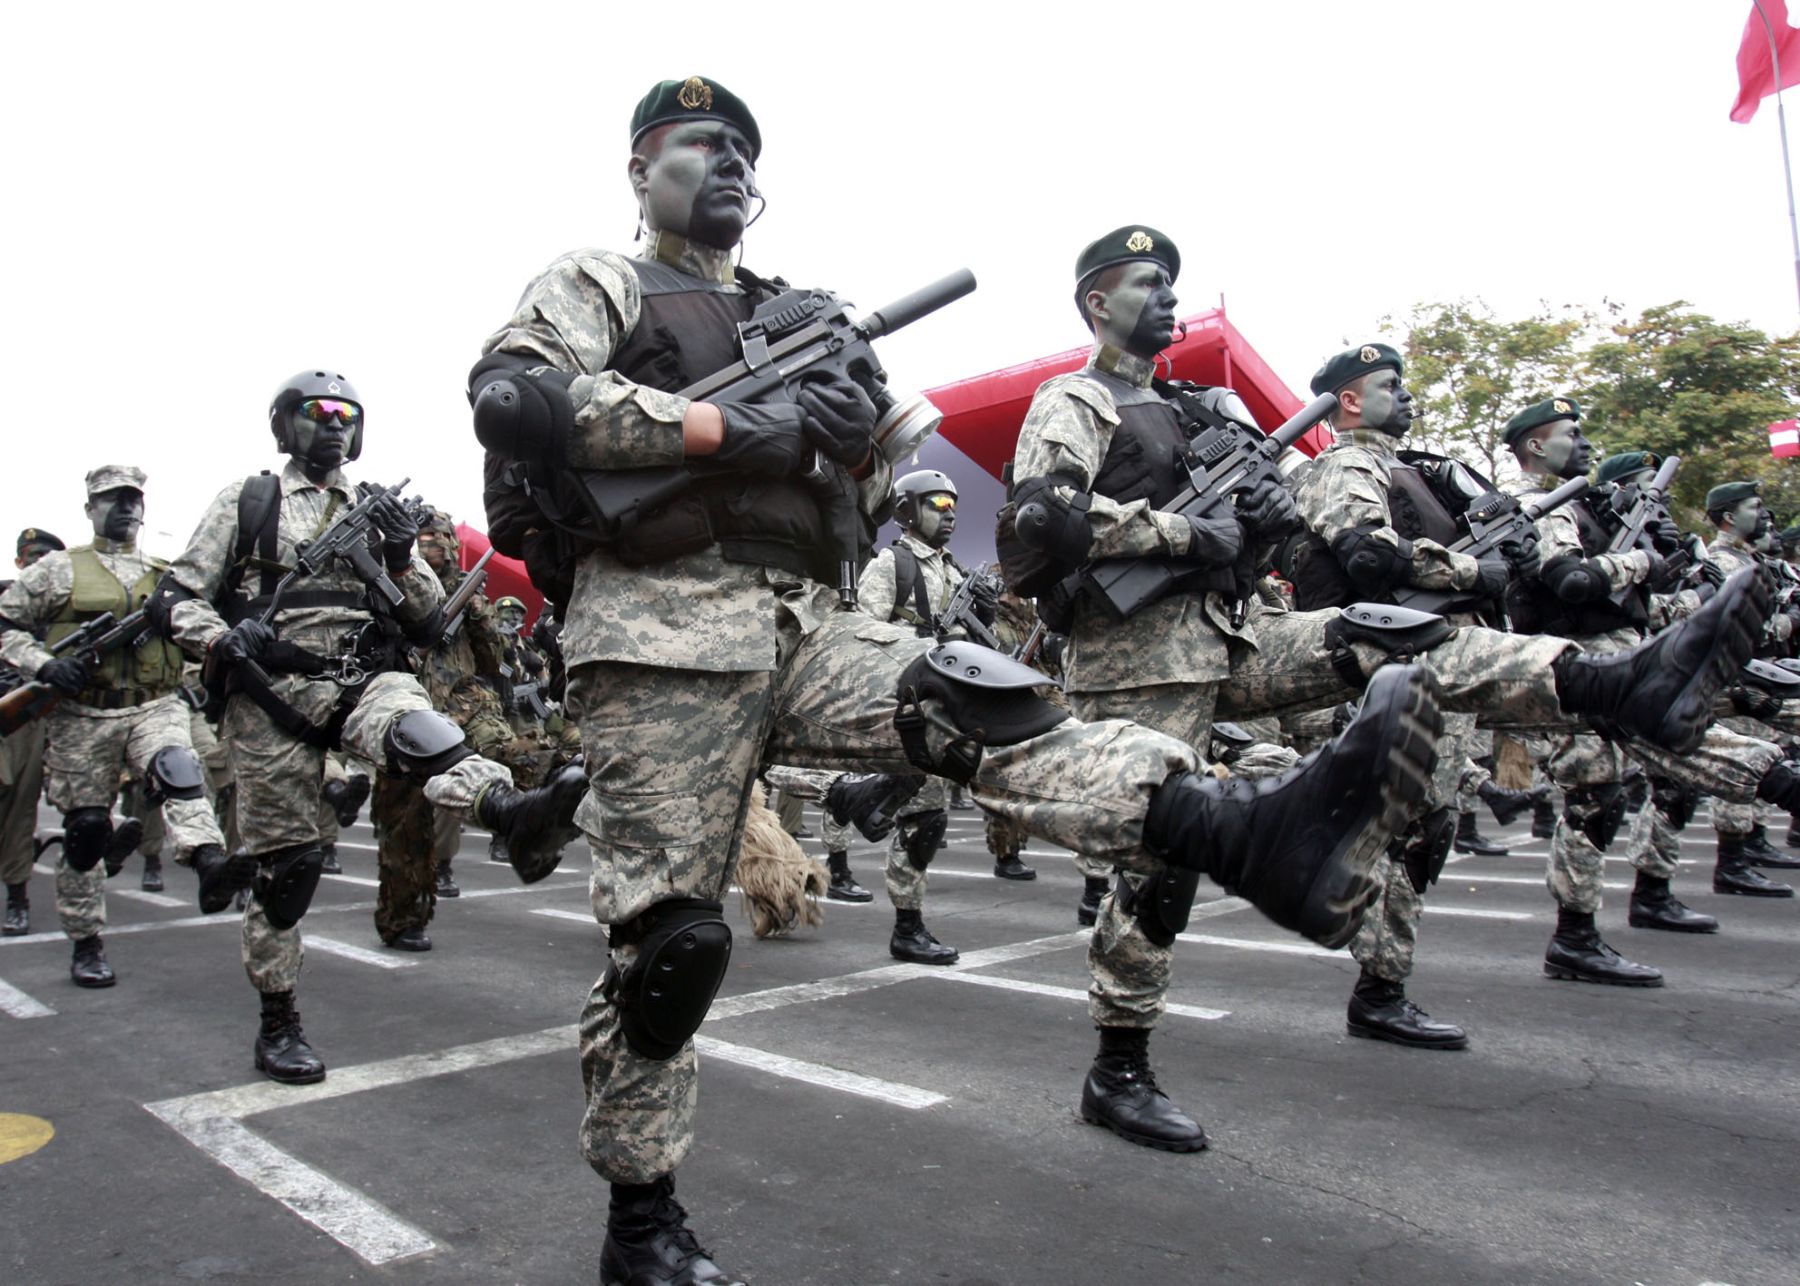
{"x": 1522, "y": 879}
{"x": 19, "y": 1005}
{"x": 1043, "y": 989}
{"x": 1248, "y": 944}
{"x": 556, "y": 913}
{"x": 1476, "y": 913}
{"x": 350, "y": 951}
{"x": 41, "y": 869}
{"x": 154, "y": 899}
{"x": 831, "y": 1078}
{"x": 363, "y": 880}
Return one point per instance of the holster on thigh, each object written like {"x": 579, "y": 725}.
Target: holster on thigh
{"x": 1426, "y": 848}
{"x": 1596, "y": 811}
{"x": 684, "y": 948}
{"x": 1674, "y": 801}
{"x": 1162, "y": 904}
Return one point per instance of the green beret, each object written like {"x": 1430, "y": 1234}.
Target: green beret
{"x": 694, "y": 99}
{"x": 37, "y": 536}
{"x": 1789, "y": 535}
{"x": 1538, "y": 414}
{"x": 1729, "y": 495}
{"x": 1129, "y": 244}
{"x": 1623, "y": 464}
{"x": 1353, "y": 364}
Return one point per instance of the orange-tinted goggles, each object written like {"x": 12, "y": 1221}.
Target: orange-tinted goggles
{"x": 940, "y": 502}
{"x": 322, "y": 410}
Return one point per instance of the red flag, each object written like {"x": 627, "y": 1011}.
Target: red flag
{"x": 1756, "y": 75}
{"x": 1784, "y": 438}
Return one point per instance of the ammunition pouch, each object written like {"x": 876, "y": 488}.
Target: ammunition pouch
{"x": 1596, "y": 811}
{"x": 1162, "y": 904}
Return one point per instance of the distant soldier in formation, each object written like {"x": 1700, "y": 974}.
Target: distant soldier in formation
{"x": 21, "y": 771}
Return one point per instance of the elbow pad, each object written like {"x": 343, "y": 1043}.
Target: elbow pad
{"x": 1374, "y": 567}
{"x": 1041, "y": 536}
{"x": 1574, "y": 580}
{"x": 159, "y": 608}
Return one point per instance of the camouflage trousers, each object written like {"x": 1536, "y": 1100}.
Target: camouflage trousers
{"x": 672, "y": 757}
{"x": 813, "y": 784}
{"x": 87, "y": 754}
{"x": 415, "y": 839}
{"x": 1004, "y": 839}
{"x": 1655, "y": 843}
{"x": 279, "y": 779}
{"x": 21, "y": 782}
{"x": 1737, "y": 818}
{"x": 906, "y": 882}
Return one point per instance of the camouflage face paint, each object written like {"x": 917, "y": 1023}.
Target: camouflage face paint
{"x": 1139, "y": 310}
{"x": 1386, "y": 403}
{"x": 1566, "y": 452}
{"x": 117, "y": 514}
{"x": 698, "y": 185}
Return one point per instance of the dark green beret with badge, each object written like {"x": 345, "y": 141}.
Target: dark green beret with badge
{"x": 1537, "y": 415}
{"x": 1729, "y": 495}
{"x": 1129, "y": 244}
{"x": 694, "y": 99}
{"x": 1623, "y": 464}
{"x": 1353, "y": 364}
{"x": 37, "y": 536}
{"x": 1789, "y": 535}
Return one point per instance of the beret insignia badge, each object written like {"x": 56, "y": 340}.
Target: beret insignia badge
{"x": 1368, "y": 354}
{"x": 1139, "y": 242}
{"x": 696, "y": 95}
{"x": 1561, "y": 407}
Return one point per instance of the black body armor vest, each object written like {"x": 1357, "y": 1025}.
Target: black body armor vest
{"x": 1535, "y": 610}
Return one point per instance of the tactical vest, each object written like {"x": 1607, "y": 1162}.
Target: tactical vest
{"x": 127, "y": 676}
{"x": 1535, "y": 610}
{"x": 686, "y": 331}
{"x": 1143, "y": 463}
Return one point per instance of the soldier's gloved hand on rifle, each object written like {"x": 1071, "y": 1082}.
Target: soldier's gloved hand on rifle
{"x": 1522, "y": 557}
{"x": 1664, "y": 576}
{"x": 840, "y": 420}
{"x": 1216, "y": 540}
{"x": 985, "y": 601}
{"x": 1492, "y": 577}
{"x": 1664, "y": 535}
{"x": 245, "y": 641}
{"x": 67, "y": 674}
{"x": 532, "y": 421}
{"x": 766, "y": 438}
{"x": 399, "y": 530}
{"x": 1267, "y": 509}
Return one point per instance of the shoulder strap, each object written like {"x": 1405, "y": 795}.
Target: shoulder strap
{"x": 909, "y": 584}
{"x": 258, "y": 526}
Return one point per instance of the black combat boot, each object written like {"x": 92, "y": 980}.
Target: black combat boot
{"x": 958, "y": 801}
{"x": 282, "y": 1053}
{"x": 871, "y": 801}
{"x": 412, "y": 939}
{"x": 1506, "y": 805}
{"x": 1379, "y": 1010}
{"x": 497, "y": 849}
{"x": 844, "y": 887}
{"x": 89, "y": 967}
{"x": 18, "y": 910}
{"x": 1470, "y": 840}
{"x": 1662, "y": 690}
{"x": 1543, "y": 818}
{"x": 222, "y": 878}
{"x": 329, "y": 865}
{"x": 1120, "y": 1094}
{"x": 648, "y": 1242}
{"x": 1759, "y": 852}
{"x": 446, "y": 883}
{"x": 913, "y": 943}
{"x": 1654, "y": 906}
{"x": 1093, "y": 889}
{"x": 535, "y": 823}
{"x": 1732, "y": 873}
{"x": 346, "y": 798}
{"x": 1011, "y": 868}
{"x": 152, "y": 881}
{"x": 1793, "y": 835}
{"x": 1303, "y": 846}
{"x": 1576, "y": 954}
{"x": 126, "y": 837}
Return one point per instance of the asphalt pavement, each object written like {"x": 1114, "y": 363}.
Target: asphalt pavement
{"x": 866, "y": 1122}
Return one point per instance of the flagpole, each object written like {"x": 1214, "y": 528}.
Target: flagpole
{"x": 1786, "y": 166}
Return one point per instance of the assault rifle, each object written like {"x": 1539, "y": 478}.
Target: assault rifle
{"x": 1494, "y": 520}
{"x": 346, "y": 538}
{"x": 1650, "y": 504}
{"x": 92, "y": 641}
{"x": 959, "y": 613}
{"x": 456, "y": 607}
{"x": 1221, "y": 460}
{"x": 794, "y": 336}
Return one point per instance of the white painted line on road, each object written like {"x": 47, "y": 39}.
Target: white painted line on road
{"x": 19, "y": 1005}
{"x": 555, "y": 913}
{"x": 1476, "y": 913}
{"x": 1248, "y": 944}
{"x": 831, "y": 1078}
{"x": 849, "y": 984}
{"x": 41, "y": 869}
{"x": 363, "y": 880}
{"x": 1523, "y": 879}
{"x": 153, "y": 899}
{"x": 375, "y": 1234}
{"x": 350, "y": 951}
{"x": 1059, "y": 993}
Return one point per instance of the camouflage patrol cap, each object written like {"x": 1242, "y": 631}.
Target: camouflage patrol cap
{"x": 1537, "y": 415}
{"x": 110, "y": 477}
{"x": 1353, "y": 364}
{"x": 1729, "y": 495}
{"x": 1623, "y": 464}
{"x": 37, "y": 536}
{"x": 1129, "y": 244}
{"x": 694, "y": 99}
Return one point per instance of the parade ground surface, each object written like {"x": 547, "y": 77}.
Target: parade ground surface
{"x": 863, "y": 1121}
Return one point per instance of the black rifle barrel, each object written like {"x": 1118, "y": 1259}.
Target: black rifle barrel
{"x": 1569, "y": 490}
{"x": 922, "y": 302}
{"x": 1303, "y": 420}
{"x": 1659, "y": 485}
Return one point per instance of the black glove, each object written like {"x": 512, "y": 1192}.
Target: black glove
{"x": 1267, "y": 510}
{"x": 1754, "y": 705}
{"x": 766, "y": 438}
{"x": 245, "y": 641}
{"x": 1216, "y": 540}
{"x": 1493, "y": 578}
{"x": 67, "y": 674}
{"x": 1664, "y": 535}
{"x": 1709, "y": 573}
{"x": 1522, "y": 557}
{"x": 985, "y": 601}
{"x": 526, "y": 415}
{"x": 840, "y": 420}
{"x": 1664, "y": 575}
{"x": 399, "y": 529}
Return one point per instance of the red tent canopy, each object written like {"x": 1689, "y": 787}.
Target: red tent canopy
{"x": 505, "y": 575}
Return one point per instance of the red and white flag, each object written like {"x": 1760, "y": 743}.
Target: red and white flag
{"x": 1756, "y": 72}
{"x": 1784, "y": 437}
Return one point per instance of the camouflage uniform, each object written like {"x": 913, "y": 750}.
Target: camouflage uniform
{"x": 813, "y": 784}
{"x": 21, "y": 784}
{"x": 686, "y": 678}
{"x": 279, "y": 777}
{"x": 89, "y": 746}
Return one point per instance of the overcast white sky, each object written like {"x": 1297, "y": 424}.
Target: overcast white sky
{"x": 202, "y": 199}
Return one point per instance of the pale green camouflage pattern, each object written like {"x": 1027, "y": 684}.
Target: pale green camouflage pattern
{"x": 813, "y": 784}
{"x": 1004, "y": 839}
{"x": 939, "y": 574}
{"x": 272, "y": 957}
{"x": 80, "y": 900}
{"x": 1389, "y": 935}
{"x": 1655, "y": 845}
{"x": 1734, "y": 820}
{"x": 21, "y": 782}
{"x": 41, "y": 594}
{"x": 905, "y": 882}
{"x": 1559, "y": 536}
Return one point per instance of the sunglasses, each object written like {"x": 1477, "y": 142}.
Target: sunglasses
{"x": 941, "y": 503}
{"x": 321, "y": 410}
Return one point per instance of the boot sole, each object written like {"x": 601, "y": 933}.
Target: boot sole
{"x": 1570, "y": 975}
{"x": 1755, "y": 893}
{"x": 449, "y": 893}
{"x": 288, "y": 1080}
{"x": 1637, "y": 923}
{"x": 1486, "y": 851}
{"x": 1002, "y": 875}
{"x": 1375, "y": 1033}
{"x": 94, "y": 984}
{"x": 832, "y": 895}
{"x": 1684, "y": 725}
{"x": 1143, "y": 1140}
{"x": 920, "y": 960}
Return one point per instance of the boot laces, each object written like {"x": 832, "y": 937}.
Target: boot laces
{"x": 671, "y": 1217}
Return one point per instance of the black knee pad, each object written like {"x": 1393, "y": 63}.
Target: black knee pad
{"x": 1674, "y": 801}
{"x": 175, "y": 773}
{"x": 981, "y": 697}
{"x": 423, "y": 743}
{"x": 286, "y": 889}
{"x": 1161, "y": 906}
{"x": 86, "y": 833}
{"x": 1400, "y": 632}
{"x": 1596, "y": 811}
{"x": 1427, "y": 847}
{"x": 922, "y": 835}
{"x": 684, "y": 948}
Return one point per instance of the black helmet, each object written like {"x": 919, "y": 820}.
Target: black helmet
{"x": 310, "y": 384}
{"x": 909, "y": 489}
